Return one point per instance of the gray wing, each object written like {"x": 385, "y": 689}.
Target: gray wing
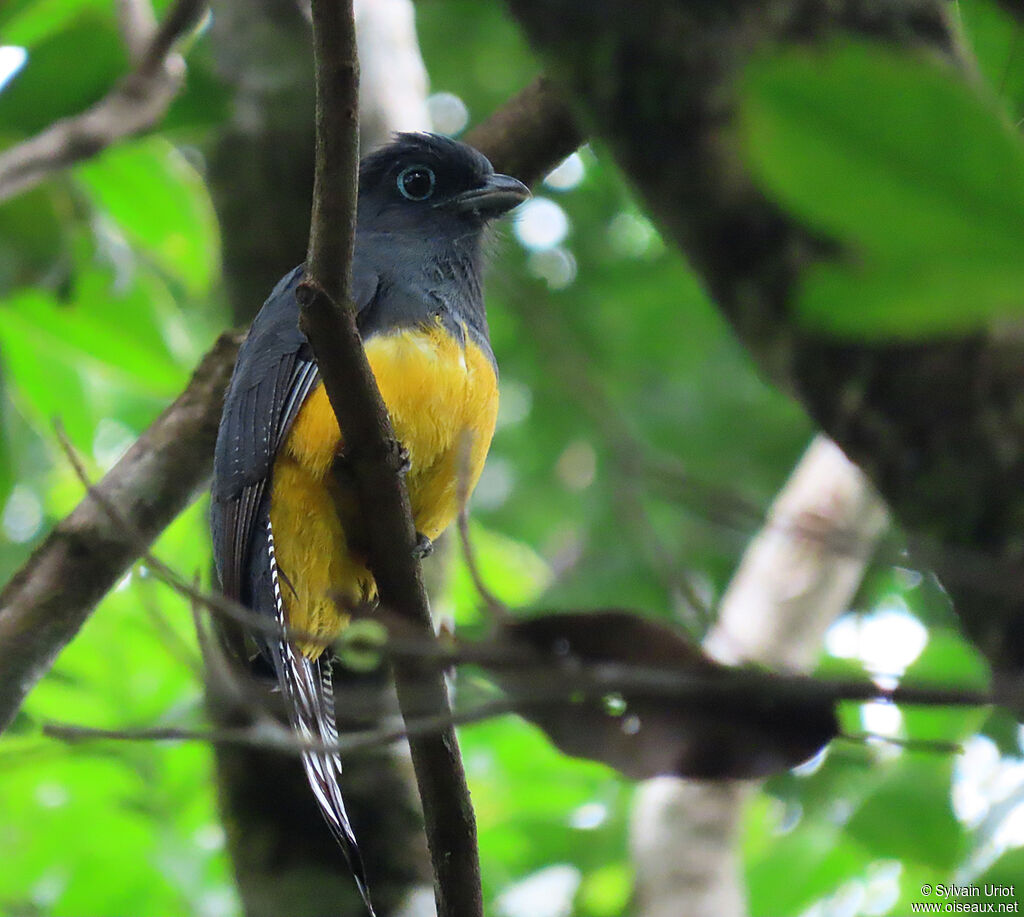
{"x": 274, "y": 374}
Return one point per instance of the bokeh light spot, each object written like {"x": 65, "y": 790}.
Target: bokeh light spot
{"x": 568, "y": 174}
{"x": 556, "y": 266}
{"x": 541, "y": 224}
{"x": 23, "y": 515}
{"x": 12, "y": 59}
{"x": 448, "y": 113}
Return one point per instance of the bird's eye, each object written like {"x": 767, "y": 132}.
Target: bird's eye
{"x": 416, "y": 183}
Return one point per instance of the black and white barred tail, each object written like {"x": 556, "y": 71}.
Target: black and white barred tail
{"x": 309, "y": 697}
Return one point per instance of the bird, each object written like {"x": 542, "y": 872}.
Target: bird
{"x": 284, "y": 546}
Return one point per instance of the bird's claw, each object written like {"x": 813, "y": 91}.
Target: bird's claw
{"x": 404, "y": 460}
{"x": 424, "y": 547}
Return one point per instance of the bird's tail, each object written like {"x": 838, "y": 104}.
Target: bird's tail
{"x": 309, "y": 698}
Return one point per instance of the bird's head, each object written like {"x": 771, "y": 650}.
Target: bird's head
{"x": 432, "y": 184}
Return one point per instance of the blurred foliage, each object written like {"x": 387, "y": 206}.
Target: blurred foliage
{"x": 922, "y": 189}
{"x": 110, "y": 289}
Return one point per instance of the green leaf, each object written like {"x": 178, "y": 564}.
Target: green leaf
{"x": 826, "y": 859}
{"x": 34, "y": 242}
{"x": 65, "y": 73}
{"x": 161, "y": 204}
{"x": 997, "y": 40}
{"x": 950, "y": 661}
{"x": 45, "y": 383}
{"x": 1002, "y": 727}
{"x": 916, "y": 177}
{"x": 80, "y": 336}
{"x": 606, "y": 891}
{"x": 1006, "y": 871}
{"x": 107, "y": 352}
{"x": 909, "y": 815}
{"x": 138, "y": 810}
{"x": 30, "y": 22}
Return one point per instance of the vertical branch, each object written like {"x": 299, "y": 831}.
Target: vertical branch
{"x": 333, "y": 223}
{"x": 374, "y": 457}
{"x": 790, "y": 586}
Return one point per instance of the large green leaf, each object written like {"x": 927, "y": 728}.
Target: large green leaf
{"x": 73, "y": 333}
{"x": 161, "y": 204}
{"x": 919, "y": 180}
{"x": 45, "y": 382}
{"x": 106, "y": 352}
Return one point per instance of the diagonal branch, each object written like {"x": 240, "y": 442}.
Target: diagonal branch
{"x": 530, "y": 134}
{"x": 49, "y": 599}
{"x": 134, "y": 105}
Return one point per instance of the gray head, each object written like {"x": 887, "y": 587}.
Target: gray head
{"x": 432, "y": 186}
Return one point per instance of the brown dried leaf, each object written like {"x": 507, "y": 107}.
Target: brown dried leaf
{"x": 678, "y": 711}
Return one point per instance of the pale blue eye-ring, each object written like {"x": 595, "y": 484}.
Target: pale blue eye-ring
{"x": 416, "y": 183}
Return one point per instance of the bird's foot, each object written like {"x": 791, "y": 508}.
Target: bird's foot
{"x": 403, "y": 461}
{"x": 424, "y": 547}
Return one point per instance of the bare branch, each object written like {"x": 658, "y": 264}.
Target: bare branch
{"x": 530, "y": 134}
{"x": 393, "y": 81}
{"x": 138, "y": 26}
{"x": 179, "y": 20}
{"x": 48, "y": 600}
{"x": 791, "y": 585}
{"x": 134, "y": 105}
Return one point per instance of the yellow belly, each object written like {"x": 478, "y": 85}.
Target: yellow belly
{"x": 443, "y": 402}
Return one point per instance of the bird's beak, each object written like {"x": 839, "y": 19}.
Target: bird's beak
{"x": 498, "y": 195}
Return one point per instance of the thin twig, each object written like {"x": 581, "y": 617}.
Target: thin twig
{"x": 172, "y": 641}
{"x": 544, "y": 684}
{"x": 499, "y": 611}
